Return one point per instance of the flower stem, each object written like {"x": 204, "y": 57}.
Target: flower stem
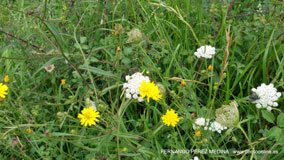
{"x": 249, "y": 141}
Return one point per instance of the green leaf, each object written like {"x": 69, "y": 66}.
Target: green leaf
{"x": 126, "y": 61}
{"x": 57, "y": 34}
{"x": 85, "y": 47}
{"x": 275, "y": 132}
{"x": 83, "y": 39}
{"x": 280, "y": 120}
{"x": 268, "y": 116}
{"x": 281, "y": 139}
{"x": 97, "y": 71}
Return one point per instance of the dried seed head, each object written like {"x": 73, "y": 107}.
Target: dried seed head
{"x": 135, "y": 35}
{"x": 228, "y": 115}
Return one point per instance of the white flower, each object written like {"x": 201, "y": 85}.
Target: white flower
{"x": 195, "y": 158}
{"x": 206, "y": 51}
{"x": 132, "y": 85}
{"x": 49, "y": 68}
{"x": 215, "y": 126}
{"x": 211, "y": 126}
{"x": 267, "y": 96}
{"x": 201, "y": 122}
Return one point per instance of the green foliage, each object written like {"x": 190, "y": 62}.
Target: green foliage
{"x": 268, "y": 116}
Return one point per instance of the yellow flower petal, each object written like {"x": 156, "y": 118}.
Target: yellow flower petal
{"x": 149, "y": 90}
{"x": 3, "y": 90}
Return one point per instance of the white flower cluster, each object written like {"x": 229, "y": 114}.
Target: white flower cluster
{"x": 211, "y": 126}
{"x": 132, "y": 85}
{"x": 201, "y": 122}
{"x": 215, "y": 126}
{"x": 206, "y": 51}
{"x": 266, "y": 96}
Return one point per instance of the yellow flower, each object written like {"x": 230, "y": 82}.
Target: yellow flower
{"x": 182, "y": 83}
{"x": 170, "y": 118}
{"x": 3, "y": 90}
{"x": 149, "y": 90}
{"x": 89, "y": 116}
{"x": 210, "y": 68}
{"x": 29, "y": 131}
{"x": 198, "y": 133}
{"x": 63, "y": 82}
{"x": 6, "y": 79}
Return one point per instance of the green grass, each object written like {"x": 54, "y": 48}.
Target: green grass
{"x": 77, "y": 37}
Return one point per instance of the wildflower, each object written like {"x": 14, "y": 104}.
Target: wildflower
{"x": 29, "y": 131}
{"x": 211, "y": 126}
{"x": 210, "y": 68}
{"x": 170, "y": 118}
{"x": 266, "y": 96}
{"x": 198, "y": 133}
{"x": 132, "y": 86}
{"x": 149, "y": 90}
{"x": 89, "y": 116}
{"x": 3, "y": 91}
{"x": 201, "y": 122}
{"x": 6, "y": 78}
{"x": 62, "y": 82}
{"x": 215, "y": 126}
{"x": 205, "y": 52}
{"x": 182, "y": 83}
{"x": 195, "y": 158}
{"x": 135, "y": 35}
{"x": 49, "y": 68}
{"x": 228, "y": 115}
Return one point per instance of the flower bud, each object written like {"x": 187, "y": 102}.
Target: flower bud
{"x": 210, "y": 68}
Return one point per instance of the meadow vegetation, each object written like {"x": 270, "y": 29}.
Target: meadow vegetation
{"x": 59, "y": 58}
